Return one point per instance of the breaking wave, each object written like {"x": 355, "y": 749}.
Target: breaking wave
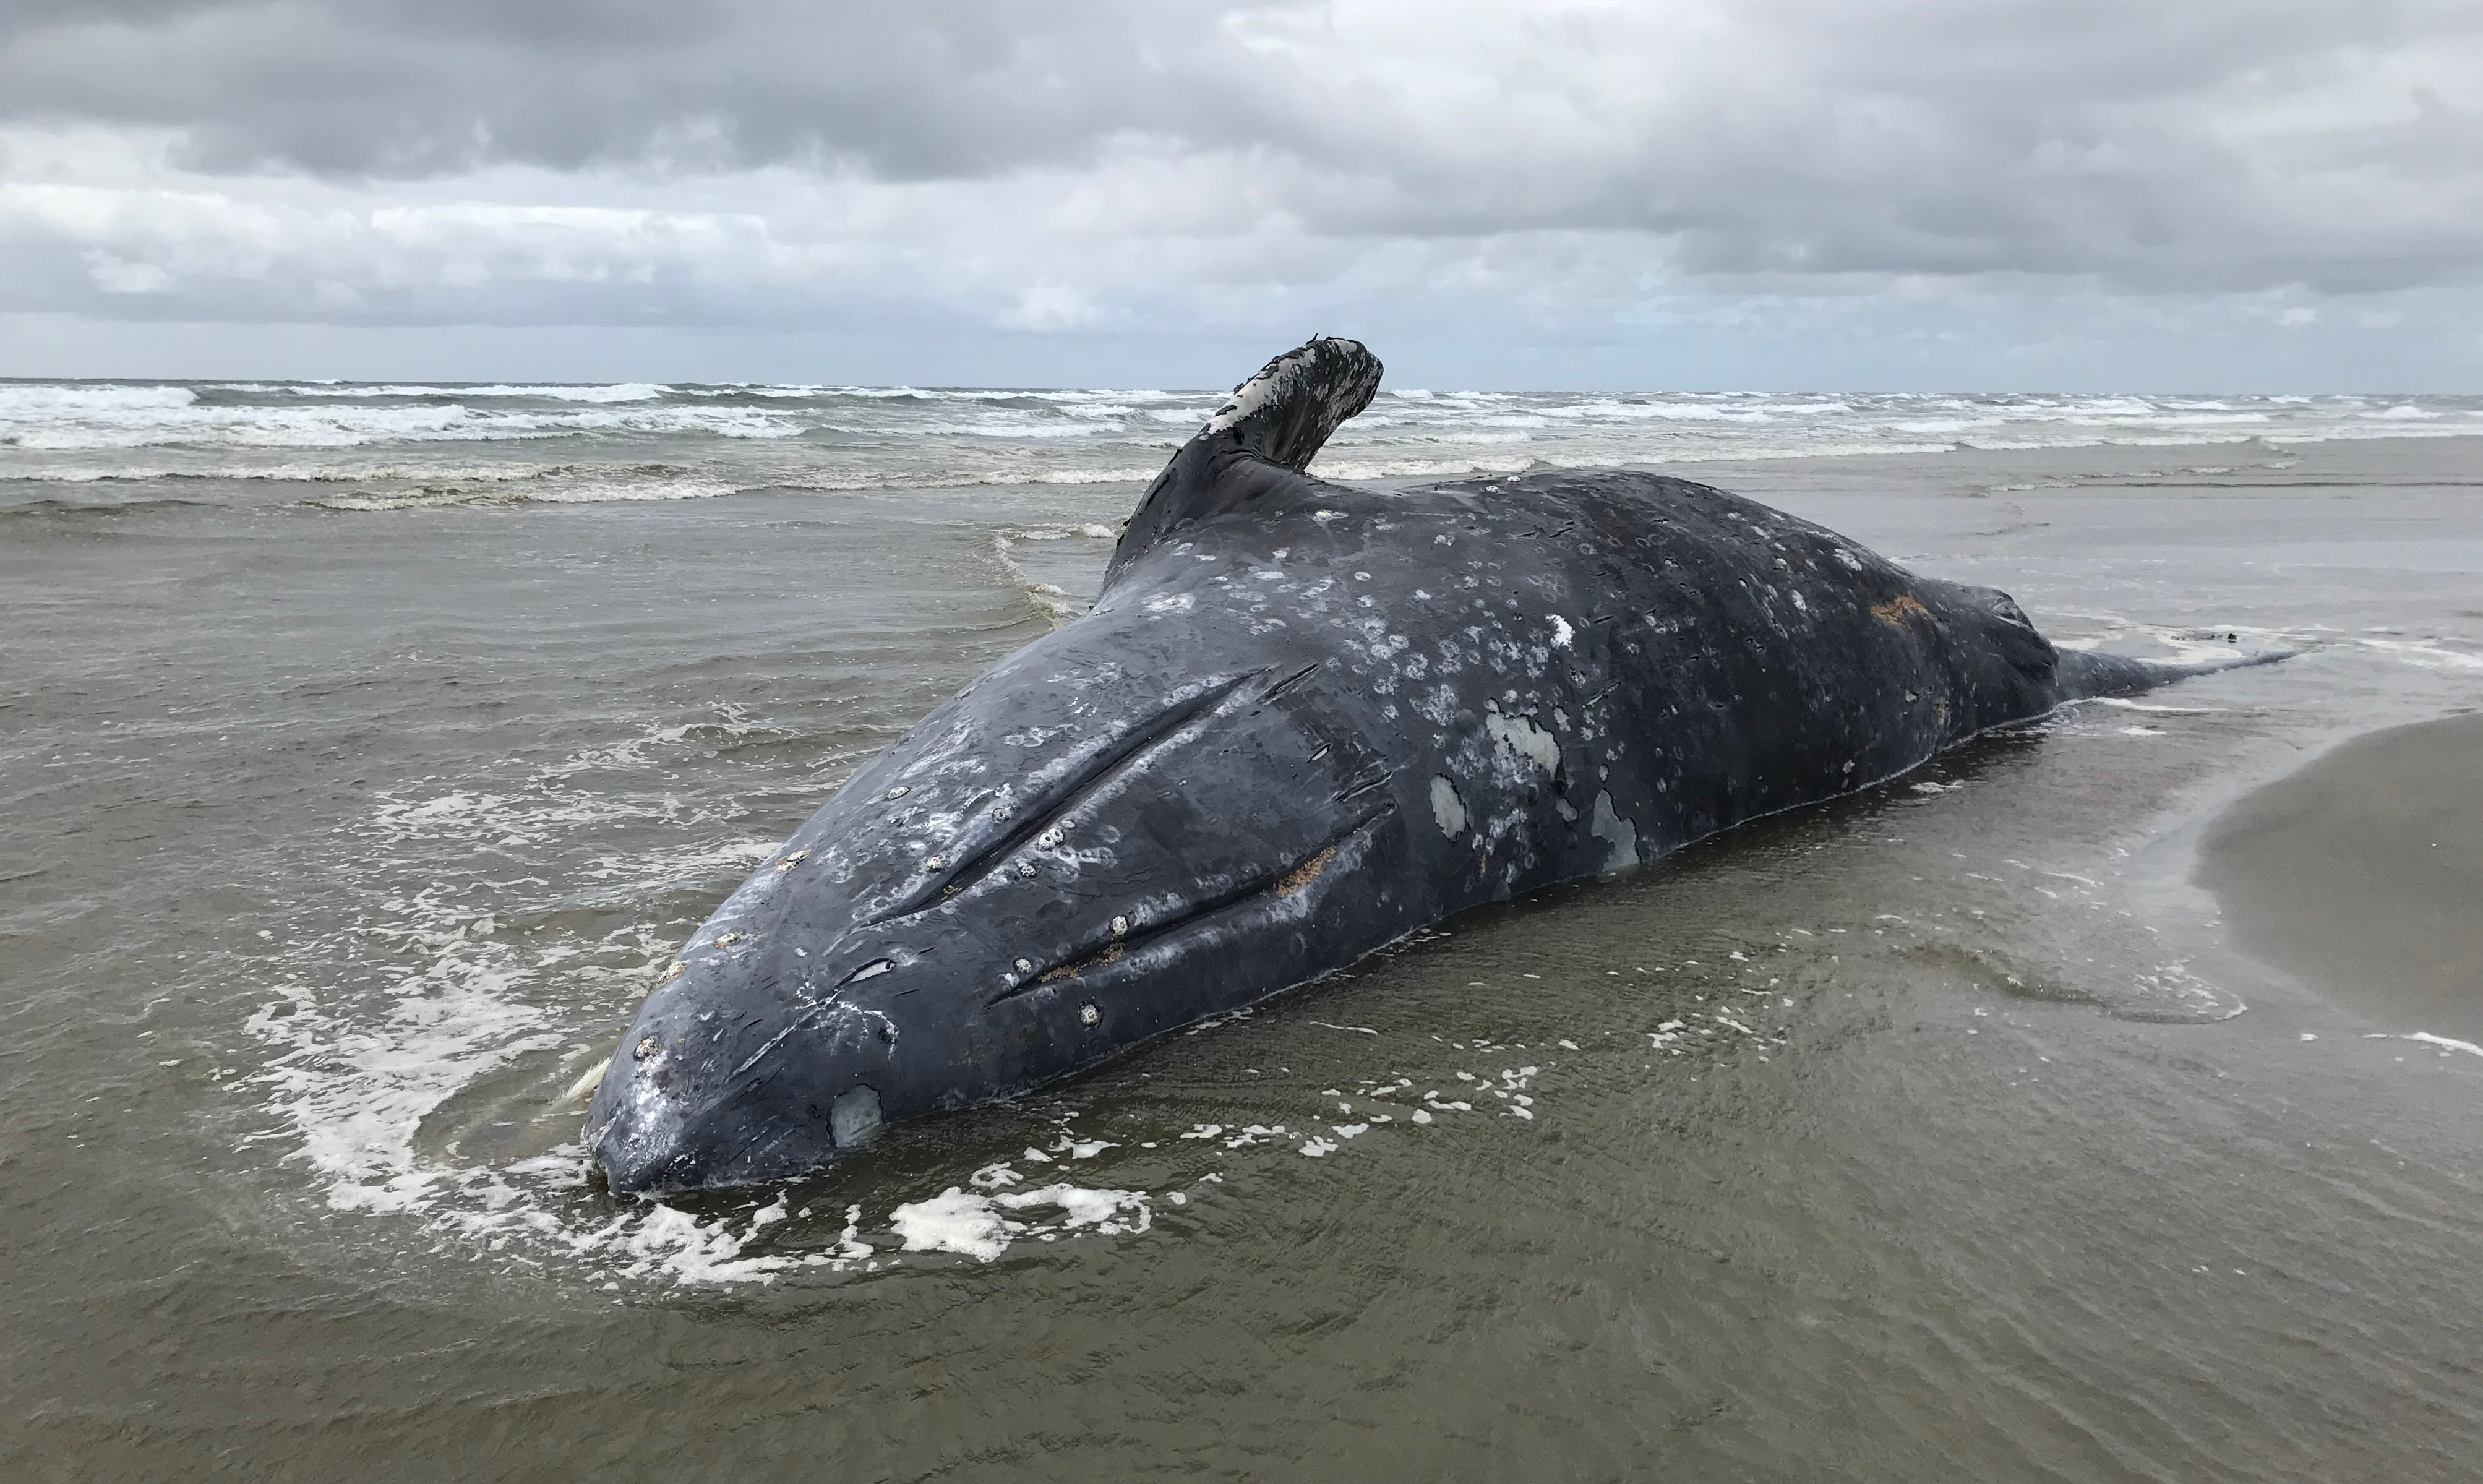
{"x": 410, "y": 445}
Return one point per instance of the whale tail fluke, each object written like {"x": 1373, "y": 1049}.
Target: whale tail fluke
{"x": 1259, "y": 441}
{"x": 2083, "y": 674}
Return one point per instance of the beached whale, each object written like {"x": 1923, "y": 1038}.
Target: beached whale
{"x": 1302, "y": 722}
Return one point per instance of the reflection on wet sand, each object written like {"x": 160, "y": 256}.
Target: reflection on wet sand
{"x": 2363, "y": 874}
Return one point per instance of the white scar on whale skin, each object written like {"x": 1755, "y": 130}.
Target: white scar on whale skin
{"x": 1448, "y": 807}
{"x": 1522, "y": 738}
{"x": 1618, "y": 832}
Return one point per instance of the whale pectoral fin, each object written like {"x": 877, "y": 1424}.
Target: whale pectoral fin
{"x": 1298, "y": 400}
{"x": 1258, "y": 443}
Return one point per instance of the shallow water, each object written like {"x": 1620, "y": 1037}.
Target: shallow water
{"x": 1938, "y": 1132}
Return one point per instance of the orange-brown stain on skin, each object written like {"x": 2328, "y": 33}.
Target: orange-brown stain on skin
{"x": 1896, "y": 610}
{"x": 1073, "y": 970}
{"x": 1306, "y": 873}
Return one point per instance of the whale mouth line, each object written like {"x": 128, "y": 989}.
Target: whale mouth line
{"x": 1279, "y": 883}
{"x": 1060, "y": 797}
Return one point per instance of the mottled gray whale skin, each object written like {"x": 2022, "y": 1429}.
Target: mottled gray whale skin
{"x": 1302, "y": 722}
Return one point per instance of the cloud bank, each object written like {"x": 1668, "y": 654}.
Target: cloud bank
{"x": 1612, "y": 179}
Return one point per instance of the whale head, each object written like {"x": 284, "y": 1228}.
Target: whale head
{"x": 1066, "y": 860}
{"x": 735, "y": 1069}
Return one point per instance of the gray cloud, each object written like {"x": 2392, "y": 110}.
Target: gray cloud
{"x": 1154, "y": 166}
{"x": 397, "y": 88}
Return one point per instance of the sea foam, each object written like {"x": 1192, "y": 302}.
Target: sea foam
{"x": 725, "y": 438}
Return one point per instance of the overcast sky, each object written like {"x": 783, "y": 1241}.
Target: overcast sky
{"x": 2280, "y": 195}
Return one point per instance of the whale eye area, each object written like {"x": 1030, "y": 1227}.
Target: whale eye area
{"x": 854, "y": 1117}
{"x": 870, "y": 970}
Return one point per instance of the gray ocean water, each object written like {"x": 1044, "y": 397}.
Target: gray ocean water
{"x": 365, "y": 750}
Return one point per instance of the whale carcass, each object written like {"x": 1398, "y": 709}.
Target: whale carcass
{"x": 1302, "y": 722}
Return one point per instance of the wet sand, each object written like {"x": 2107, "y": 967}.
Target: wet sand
{"x": 2363, "y": 875}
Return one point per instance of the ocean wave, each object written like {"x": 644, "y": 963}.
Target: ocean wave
{"x": 1433, "y": 438}
{"x": 1659, "y": 411}
{"x": 397, "y": 446}
{"x": 616, "y": 391}
{"x": 2162, "y": 419}
{"x": 1034, "y": 430}
{"x": 56, "y": 509}
{"x": 2358, "y": 434}
{"x": 583, "y": 493}
{"x": 291, "y": 473}
{"x": 1947, "y": 424}
{"x": 95, "y": 424}
{"x": 35, "y": 403}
